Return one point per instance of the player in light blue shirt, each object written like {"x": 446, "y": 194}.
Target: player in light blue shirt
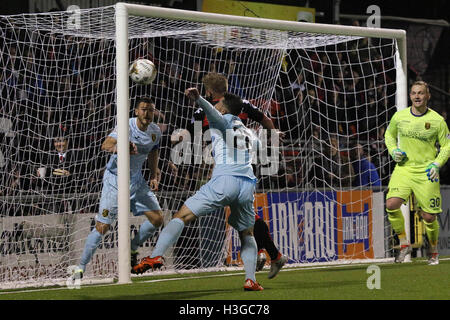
{"x": 144, "y": 137}
{"x": 232, "y": 184}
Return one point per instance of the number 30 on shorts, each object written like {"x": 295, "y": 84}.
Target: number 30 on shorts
{"x": 435, "y": 202}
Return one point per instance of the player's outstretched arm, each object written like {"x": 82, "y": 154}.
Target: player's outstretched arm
{"x": 432, "y": 170}
{"x": 390, "y": 136}
{"x": 444, "y": 142}
{"x": 257, "y": 115}
{"x": 214, "y": 117}
{"x": 153, "y": 158}
{"x": 390, "y": 139}
{"x": 110, "y": 145}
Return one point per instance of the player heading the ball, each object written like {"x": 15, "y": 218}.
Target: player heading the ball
{"x": 232, "y": 184}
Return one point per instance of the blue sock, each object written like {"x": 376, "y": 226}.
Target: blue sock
{"x": 146, "y": 230}
{"x": 92, "y": 242}
{"x": 249, "y": 251}
{"x": 168, "y": 236}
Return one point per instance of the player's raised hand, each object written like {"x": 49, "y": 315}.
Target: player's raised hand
{"x": 192, "y": 93}
{"x": 154, "y": 184}
{"x": 433, "y": 172}
{"x": 398, "y": 155}
{"x": 133, "y": 148}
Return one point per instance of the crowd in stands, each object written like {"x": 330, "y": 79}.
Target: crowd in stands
{"x": 332, "y": 105}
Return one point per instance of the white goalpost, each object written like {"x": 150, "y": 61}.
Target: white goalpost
{"x": 123, "y": 162}
{"x": 122, "y": 12}
{"x": 331, "y": 89}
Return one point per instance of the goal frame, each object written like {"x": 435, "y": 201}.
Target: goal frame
{"x": 124, "y": 10}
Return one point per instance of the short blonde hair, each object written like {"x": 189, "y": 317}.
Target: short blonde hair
{"x": 215, "y": 82}
{"x": 422, "y": 83}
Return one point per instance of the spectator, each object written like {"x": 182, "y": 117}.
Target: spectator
{"x": 319, "y": 86}
{"x": 170, "y": 173}
{"x": 379, "y": 155}
{"x": 299, "y": 83}
{"x": 338, "y": 169}
{"x": 366, "y": 174}
{"x": 233, "y": 79}
{"x": 59, "y": 170}
{"x": 11, "y": 182}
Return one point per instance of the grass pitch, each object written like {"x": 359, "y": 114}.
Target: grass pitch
{"x": 408, "y": 281}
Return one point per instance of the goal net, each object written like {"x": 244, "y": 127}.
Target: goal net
{"x": 330, "y": 95}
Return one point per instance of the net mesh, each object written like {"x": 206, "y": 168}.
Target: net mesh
{"x": 331, "y": 96}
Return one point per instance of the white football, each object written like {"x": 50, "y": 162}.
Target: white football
{"x": 142, "y": 71}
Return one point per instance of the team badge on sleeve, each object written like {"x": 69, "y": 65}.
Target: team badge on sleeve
{"x": 153, "y": 137}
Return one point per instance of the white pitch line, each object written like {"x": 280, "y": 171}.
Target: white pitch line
{"x": 286, "y": 269}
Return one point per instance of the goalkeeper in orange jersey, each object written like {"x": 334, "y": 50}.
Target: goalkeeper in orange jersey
{"x": 411, "y": 140}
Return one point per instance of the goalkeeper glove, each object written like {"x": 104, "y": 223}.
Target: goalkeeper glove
{"x": 433, "y": 172}
{"x": 398, "y": 155}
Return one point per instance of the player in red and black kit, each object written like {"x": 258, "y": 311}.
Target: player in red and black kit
{"x": 249, "y": 112}
{"x": 216, "y": 85}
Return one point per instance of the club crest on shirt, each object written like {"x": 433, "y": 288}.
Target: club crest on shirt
{"x": 427, "y": 125}
{"x": 153, "y": 137}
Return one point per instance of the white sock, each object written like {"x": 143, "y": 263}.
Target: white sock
{"x": 249, "y": 251}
